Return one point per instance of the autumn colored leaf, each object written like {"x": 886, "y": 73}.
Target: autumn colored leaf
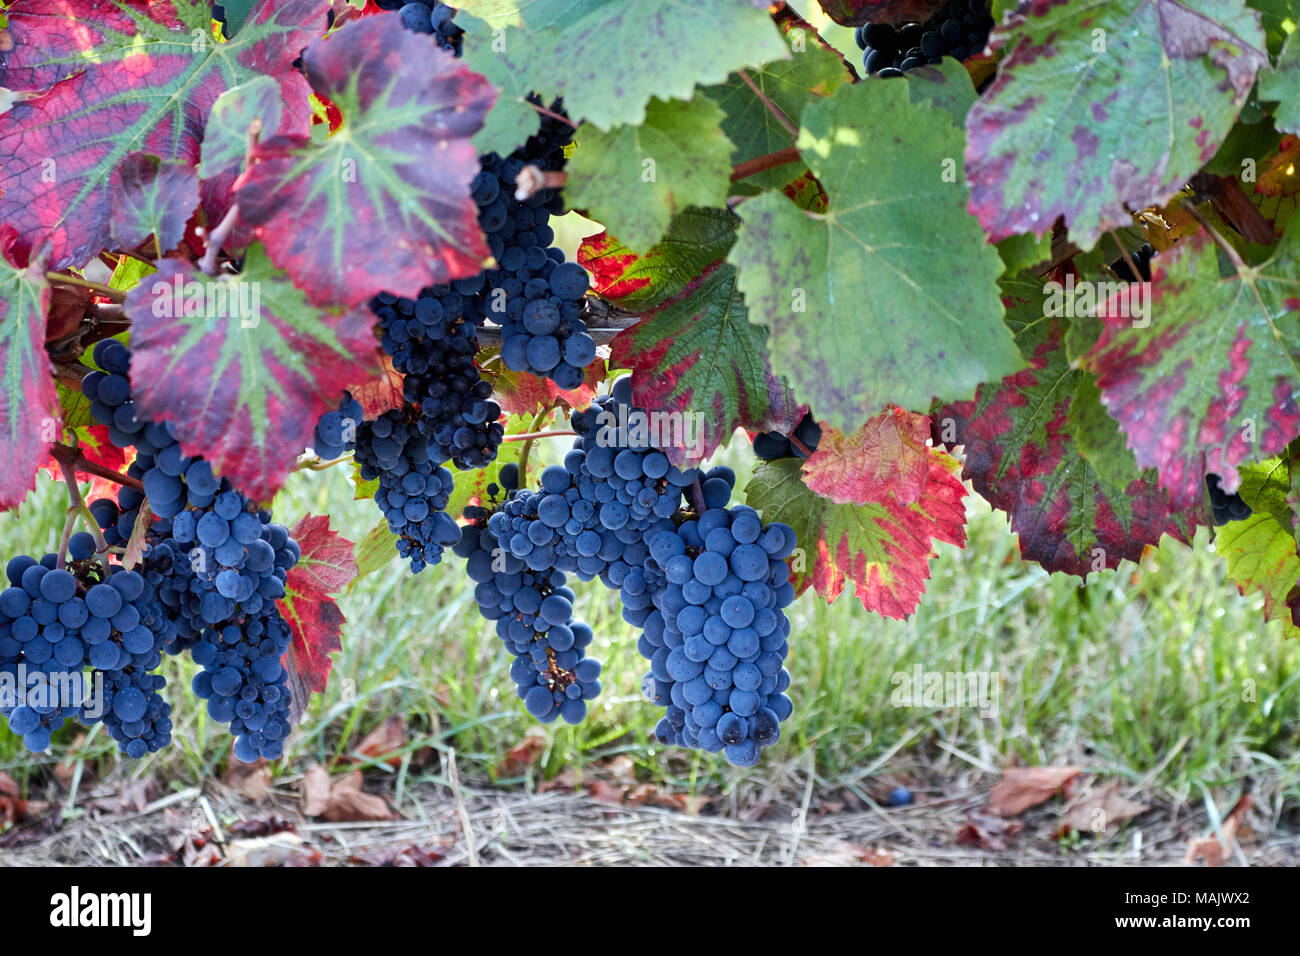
{"x": 29, "y": 403}
{"x": 1099, "y": 810}
{"x": 1260, "y": 552}
{"x": 863, "y": 287}
{"x": 1276, "y": 190}
{"x": 153, "y": 198}
{"x": 1023, "y": 787}
{"x": 521, "y": 393}
{"x": 1213, "y": 850}
{"x": 242, "y": 366}
{"x": 986, "y": 831}
{"x": 607, "y": 260}
{"x": 884, "y": 548}
{"x": 367, "y": 210}
{"x": 225, "y": 138}
{"x": 887, "y": 455}
{"x": 1056, "y": 133}
{"x": 385, "y": 742}
{"x": 376, "y": 549}
{"x": 379, "y": 393}
{"x": 113, "y": 73}
{"x": 852, "y": 13}
{"x": 1022, "y": 457}
{"x": 1210, "y": 380}
{"x": 94, "y": 443}
{"x": 325, "y": 568}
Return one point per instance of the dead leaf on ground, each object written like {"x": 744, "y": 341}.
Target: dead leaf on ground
{"x": 522, "y": 755}
{"x": 348, "y": 803}
{"x": 648, "y": 794}
{"x": 1210, "y": 849}
{"x": 273, "y": 850}
{"x": 428, "y": 854}
{"x": 132, "y": 797}
{"x": 261, "y": 827}
{"x": 197, "y": 848}
{"x": 620, "y": 769}
{"x": 849, "y": 854}
{"x": 315, "y": 790}
{"x": 987, "y": 831}
{"x": 251, "y": 781}
{"x": 12, "y": 806}
{"x": 606, "y": 792}
{"x": 1023, "y": 787}
{"x": 567, "y": 779}
{"x": 385, "y": 740}
{"x": 1100, "y": 810}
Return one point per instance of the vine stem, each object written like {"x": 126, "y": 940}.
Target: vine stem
{"x": 80, "y": 507}
{"x": 1228, "y": 249}
{"x": 69, "y": 457}
{"x": 761, "y": 164}
{"x": 318, "y": 464}
{"x": 552, "y": 114}
{"x": 534, "y": 435}
{"x": 808, "y": 452}
{"x": 216, "y": 237}
{"x": 68, "y": 524}
{"x": 696, "y": 494}
{"x": 528, "y": 442}
{"x": 1127, "y": 257}
{"x": 771, "y": 107}
{"x": 63, "y": 278}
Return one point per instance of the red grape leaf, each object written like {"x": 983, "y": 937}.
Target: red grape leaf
{"x": 1021, "y": 456}
{"x": 381, "y": 393}
{"x": 607, "y": 260}
{"x": 852, "y": 13}
{"x": 887, "y": 454}
{"x": 95, "y": 445}
{"x": 883, "y": 547}
{"x": 153, "y": 198}
{"x": 241, "y": 365}
{"x": 327, "y": 565}
{"x": 1260, "y": 552}
{"x": 384, "y": 203}
{"x": 119, "y": 76}
{"x": 29, "y": 403}
{"x": 1276, "y": 192}
{"x": 1213, "y": 380}
{"x": 519, "y": 393}
{"x": 1057, "y": 133}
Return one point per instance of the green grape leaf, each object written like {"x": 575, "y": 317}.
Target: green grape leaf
{"x": 1260, "y": 551}
{"x": 884, "y": 547}
{"x": 1208, "y": 379}
{"x": 868, "y": 284}
{"x": 29, "y": 403}
{"x": 118, "y": 77}
{"x": 947, "y": 85}
{"x": 1022, "y": 457}
{"x": 371, "y": 209}
{"x": 634, "y": 179}
{"x": 812, "y": 72}
{"x": 1103, "y": 107}
{"x": 325, "y": 568}
{"x": 376, "y": 550}
{"x": 1024, "y": 250}
{"x": 1283, "y": 86}
{"x": 242, "y": 366}
{"x": 155, "y": 198}
{"x": 225, "y": 138}
{"x": 678, "y": 46}
{"x": 1098, "y": 438}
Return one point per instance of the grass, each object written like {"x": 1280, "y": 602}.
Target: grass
{"x": 1159, "y": 674}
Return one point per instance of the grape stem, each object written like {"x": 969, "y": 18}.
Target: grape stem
{"x": 771, "y": 107}
{"x": 761, "y": 164}
{"x": 216, "y": 237}
{"x": 68, "y": 525}
{"x": 79, "y": 506}
{"x": 533, "y": 435}
{"x": 1128, "y": 259}
{"x": 64, "y": 279}
{"x": 808, "y": 452}
{"x": 72, "y": 458}
{"x": 528, "y": 440}
{"x": 696, "y": 493}
{"x": 552, "y": 114}
{"x": 318, "y": 464}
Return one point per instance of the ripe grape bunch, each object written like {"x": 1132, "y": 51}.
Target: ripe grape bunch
{"x": 800, "y": 443}
{"x": 1226, "y": 507}
{"x": 959, "y": 30}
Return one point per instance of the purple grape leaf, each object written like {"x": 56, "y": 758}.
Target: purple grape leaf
{"x": 1021, "y": 456}
{"x": 242, "y": 366}
{"x": 384, "y": 203}
{"x": 852, "y": 13}
{"x": 1260, "y": 552}
{"x": 113, "y": 78}
{"x": 1212, "y": 378}
{"x": 1058, "y": 134}
{"x": 154, "y": 197}
{"x": 864, "y": 286}
{"x": 883, "y": 547}
{"x": 29, "y": 402}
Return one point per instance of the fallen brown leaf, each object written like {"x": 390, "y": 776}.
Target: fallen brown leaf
{"x": 315, "y": 789}
{"x": 606, "y": 792}
{"x": 1100, "y": 810}
{"x": 987, "y": 831}
{"x": 12, "y": 806}
{"x": 261, "y": 827}
{"x": 348, "y": 803}
{"x": 388, "y": 738}
{"x": 252, "y": 781}
{"x": 131, "y": 797}
{"x": 522, "y": 755}
{"x": 273, "y": 850}
{"x": 567, "y": 779}
{"x": 429, "y": 854}
{"x": 849, "y": 854}
{"x": 1210, "y": 849}
{"x": 1023, "y": 787}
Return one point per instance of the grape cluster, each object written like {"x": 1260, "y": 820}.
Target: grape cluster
{"x": 432, "y": 340}
{"x": 716, "y": 639}
{"x": 959, "y": 30}
{"x": 56, "y": 622}
{"x": 533, "y": 611}
{"x": 414, "y": 488}
{"x": 217, "y": 561}
{"x": 432, "y": 18}
{"x": 1141, "y": 258}
{"x": 336, "y": 432}
{"x": 770, "y": 446}
{"x": 1226, "y": 507}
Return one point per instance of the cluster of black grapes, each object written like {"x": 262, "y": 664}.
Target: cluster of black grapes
{"x": 336, "y": 432}
{"x": 1141, "y": 258}
{"x": 1226, "y": 507}
{"x": 959, "y": 30}
{"x": 707, "y": 583}
{"x": 217, "y": 562}
{"x": 800, "y": 443}
{"x": 435, "y": 18}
